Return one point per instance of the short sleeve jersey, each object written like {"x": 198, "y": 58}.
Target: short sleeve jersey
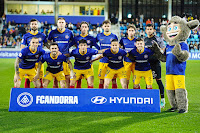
{"x": 115, "y": 59}
{"x": 29, "y": 58}
{"x": 82, "y": 61}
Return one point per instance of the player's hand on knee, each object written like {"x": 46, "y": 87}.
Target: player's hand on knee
{"x": 37, "y": 76}
{"x": 16, "y": 78}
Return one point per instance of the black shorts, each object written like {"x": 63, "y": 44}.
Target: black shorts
{"x": 156, "y": 70}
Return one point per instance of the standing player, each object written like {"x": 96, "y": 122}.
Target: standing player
{"x": 115, "y": 57}
{"x": 25, "y": 63}
{"x": 54, "y": 66}
{"x": 64, "y": 38}
{"x": 154, "y": 62}
{"x": 128, "y": 43}
{"x": 91, "y": 41}
{"x": 105, "y": 39}
{"x": 26, "y": 41}
{"x": 82, "y": 65}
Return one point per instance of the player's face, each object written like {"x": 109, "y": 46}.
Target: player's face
{"x": 34, "y": 43}
{"x": 106, "y": 27}
{"x": 131, "y": 32}
{"x": 34, "y": 25}
{"x": 149, "y": 30}
{"x": 54, "y": 49}
{"x": 84, "y": 28}
{"x": 139, "y": 45}
{"x": 114, "y": 46}
{"x": 83, "y": 46}
{"x": 61, "y": 23}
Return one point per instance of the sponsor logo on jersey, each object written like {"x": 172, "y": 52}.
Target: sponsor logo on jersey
{"x": 58, "y": 63}
{"x": 20, "y": 54}
{"x": 37, "y": 56}
{"x": 87, "y": 58}
{"x": 25, "y": 99}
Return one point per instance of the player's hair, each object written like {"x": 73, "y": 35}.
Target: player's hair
{"x": 53, "y": 43}
{"x": 149, "y": 25}
{"x": 106, "y": 22}
{"x": 84, "y": 22}
{"x": 131, "y": 26}
{"x": 139, "y": 39}
{"x": 114, "y": 40}
{"x": 61, "y": 18}
{"x": 82, "y": 41}
{"x": 33, "y": 20}
{"x": 35, "y": 38}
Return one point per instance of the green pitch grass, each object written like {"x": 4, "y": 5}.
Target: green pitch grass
{"x": 170, "y": 122}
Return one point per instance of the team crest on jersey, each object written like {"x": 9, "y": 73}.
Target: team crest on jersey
{"x": 40, "y": 39}
{"x": 66, "y": 36}
{"x": 145, "y": 56}
{"x": 37, "y": 56}
{"x": 20, "y": 54}
{"x": 58, "y": 63}
{"x": 88, "y": 41}
{"x": 87, "y": 58}
{"x": 111, "y": 39}
{"x": 119, "y": 57}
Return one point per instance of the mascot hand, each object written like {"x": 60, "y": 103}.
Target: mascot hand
{"x": 177, "y": 49}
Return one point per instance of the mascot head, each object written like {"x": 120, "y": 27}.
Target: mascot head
{"x": 178, "y": 30}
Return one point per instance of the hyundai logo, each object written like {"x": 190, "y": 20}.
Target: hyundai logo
{"x": 99, "y": 100}
{"x": 25, "y": 99}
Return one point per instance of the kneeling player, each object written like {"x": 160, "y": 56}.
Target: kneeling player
{"x": 25, "y": 63}
{"x": 82, "y": 65}
{"x": 142, "y": 66}
{"x": 115, "y": 56}
{"x": 55, "y": 66}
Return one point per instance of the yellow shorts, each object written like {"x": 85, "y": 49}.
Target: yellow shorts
{"x": 175, "y": 82}
{"x": 129, "y": 67}
{"x": 59, "y": 76}
{"x": 110, "y": 73}
{"x": 66, "y": 69}
{"x": 27, "y": 73}
{"x": 82, "y": 77}
{"x": 87, "y": 73}
{"x": 102, "y": 70}
{"x": 146, "y": 74}
{"x": 41, "y": 70}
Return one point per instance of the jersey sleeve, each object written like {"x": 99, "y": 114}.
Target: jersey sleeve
{"x": 94, "y": 52}
{"x": 42, "y": 58}
{"x": 50, "y": 37}
{"x": 65, "y": 58}
{"x": 94, "y": 43}
{"x": 150, "y": 52}
{"x": 105, "y": 53}
{"x": 124, "y": 53}
{"x": 72, "y": 53}
{"x": 24, "y": 41}
{"x": 71, "y": 40}
{"x": 161, "y": 43}
{"x": 22, "y": 54}
{"x": 116, "y": 37}
{"x": 121, "y": 43}
{"x": 44, "y": 38}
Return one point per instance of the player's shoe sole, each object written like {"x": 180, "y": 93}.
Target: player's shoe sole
{"x": 172, "y": 110}
{"x": 182, "y": 111}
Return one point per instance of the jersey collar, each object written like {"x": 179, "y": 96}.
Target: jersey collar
{"x": 54, "y": 58}
{"x": 32, "y": 51}
{"x": 113, "y": 52}
{"x": 107, "y": 34}
{"x": 33, "y": 33}
{"x": 83, "y": 53}
{"x": 61, "y": 31}
{"x": 131, "y": 39}
{"x": 84, "y": 36}
{"x": 141, "y": 51}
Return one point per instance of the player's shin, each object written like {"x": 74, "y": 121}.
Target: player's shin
{"x": 114, "y": 83}
{"x": 78, "y": 83}
{"x": 55, "y": 83}
{"x": 41, "y": 83}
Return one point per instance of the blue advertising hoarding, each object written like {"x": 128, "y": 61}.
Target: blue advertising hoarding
{"x": 84, "y": 100}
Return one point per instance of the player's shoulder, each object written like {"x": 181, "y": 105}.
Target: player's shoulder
{"x": 25, "y": 50}
{"x": 90, "y": 37}
{"x": 27, "y": 34}
{"x": 68, "y": 31}
{"x": 122, "y": 50}
{"x": 42, "y": 34}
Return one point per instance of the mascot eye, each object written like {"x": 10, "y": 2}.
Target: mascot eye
{"x": 169, "y": 29}
{"x": 175, "y": 27}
